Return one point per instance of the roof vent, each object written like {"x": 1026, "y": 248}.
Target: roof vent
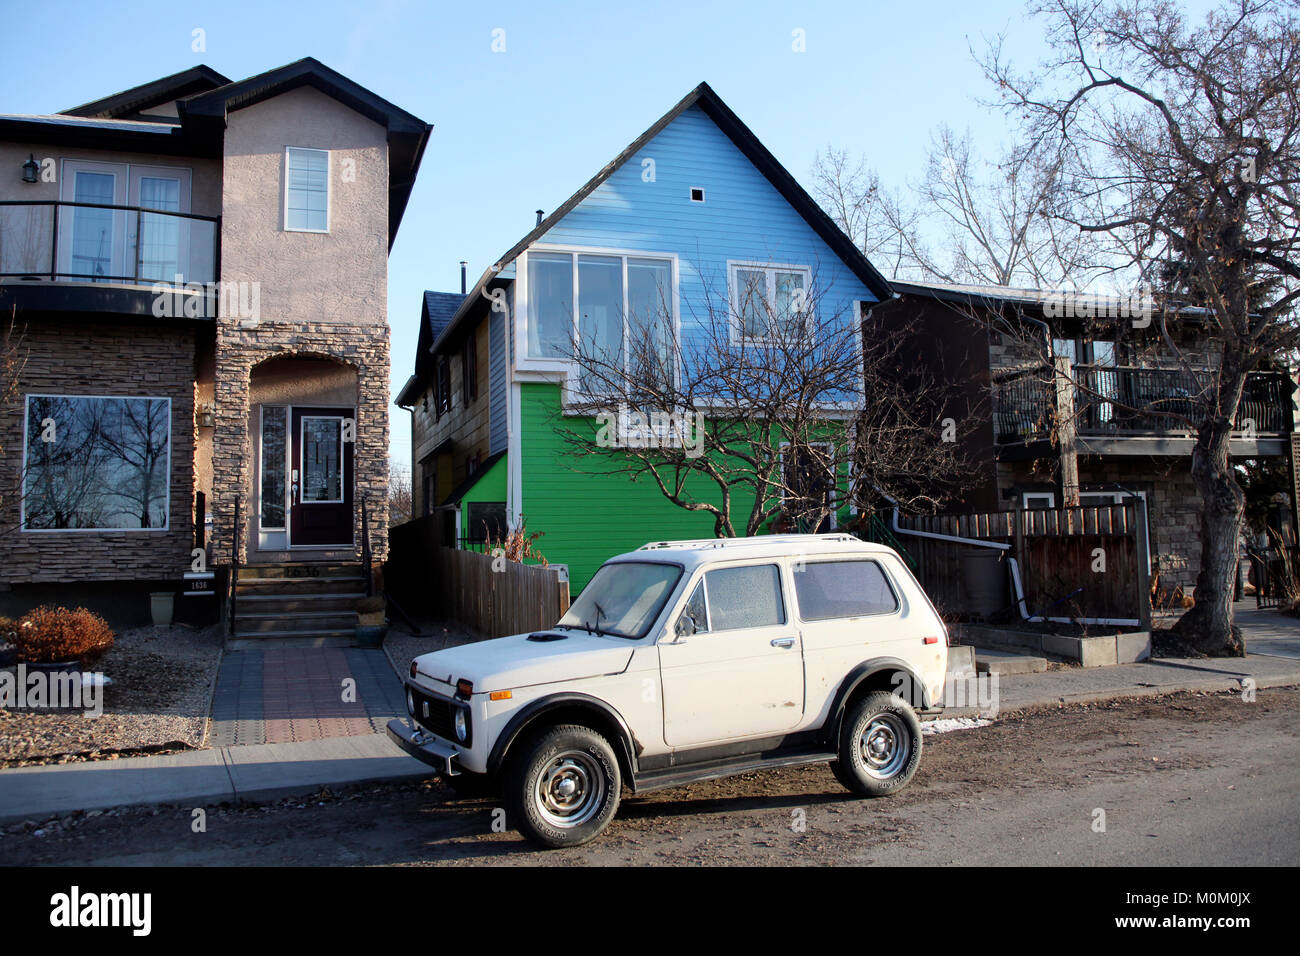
{"x": 544, "y": 636}
{"x": 539, "y": 217}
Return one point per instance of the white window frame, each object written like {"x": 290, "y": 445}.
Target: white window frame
{"x": 329, "y": 189}
{"x": 167, "y": 491}
{"x": 569, "y": 367}
{"x": 1026, "y": 496}
{"x": 770, "y": 269}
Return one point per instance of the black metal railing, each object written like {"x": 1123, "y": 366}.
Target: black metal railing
{"x": 235, "y": 542}
{"x": 1022, "y": 405}
{"x": 94, "y": 242}
{"x": 366, "y": 557}
{"x": 1126, "y": 400}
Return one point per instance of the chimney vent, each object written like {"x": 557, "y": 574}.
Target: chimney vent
{"x": 539, "y": 217}
{"x": 463, "y": 263}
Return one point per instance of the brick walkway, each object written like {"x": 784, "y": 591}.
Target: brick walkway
{"x": 283, "y": 695}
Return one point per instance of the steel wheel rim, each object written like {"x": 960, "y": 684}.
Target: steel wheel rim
{"x": 570, "y": 789}
{"x": 884, "y": 746}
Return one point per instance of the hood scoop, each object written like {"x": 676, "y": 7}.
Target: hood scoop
{"x": 543, "y": 637}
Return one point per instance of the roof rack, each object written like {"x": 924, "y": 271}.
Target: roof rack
{"x": 701, "y": 543}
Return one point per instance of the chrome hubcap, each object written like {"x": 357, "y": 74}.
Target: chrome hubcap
{"x": 570, "y": 789}
{"x": 885, "y": 746}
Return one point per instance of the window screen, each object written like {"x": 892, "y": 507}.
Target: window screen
{"x": 744, "y": 597}
{"x": 834, "y": 589}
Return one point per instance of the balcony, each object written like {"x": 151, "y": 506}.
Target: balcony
{"x": 44, "y": 242}
{"x": 1130, "y": 410}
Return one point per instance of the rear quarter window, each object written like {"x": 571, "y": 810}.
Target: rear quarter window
{"x": 836, "y": 589}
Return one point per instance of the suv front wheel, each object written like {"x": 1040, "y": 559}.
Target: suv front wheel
{"x": 564, "y": 786}
{"x": 880, "y": 745}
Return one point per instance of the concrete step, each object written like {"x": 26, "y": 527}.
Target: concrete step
{"x": 1002, "y": 661}
{"x": 278, "y": 623}
{"x": 344, "y": 635}
{"x": 303, "y": 571}
{"x": 339, "y": 585}
{"x": 264, "y": 604}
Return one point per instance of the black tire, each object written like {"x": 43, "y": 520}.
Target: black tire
{"x": 562, "y": 788}
{"x": 880, "y": 745}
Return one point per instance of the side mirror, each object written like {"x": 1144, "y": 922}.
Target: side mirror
{"x": 685, "y": 626}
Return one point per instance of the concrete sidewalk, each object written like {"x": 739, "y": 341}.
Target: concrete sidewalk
{"x": 249, "y": 774}
{"x": 272, "y": 771}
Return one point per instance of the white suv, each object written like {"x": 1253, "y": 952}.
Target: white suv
{"x": 685, "y": 661}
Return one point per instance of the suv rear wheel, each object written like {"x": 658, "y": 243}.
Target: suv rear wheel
{"x": 563, "y": 787}
{"x": 880, "y": 745}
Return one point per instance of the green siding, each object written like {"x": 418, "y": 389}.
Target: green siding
{"x": 587, "y": 517}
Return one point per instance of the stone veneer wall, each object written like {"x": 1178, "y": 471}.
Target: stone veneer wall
{"x": 97, "y": 358}
{"x": 239, "y": 349}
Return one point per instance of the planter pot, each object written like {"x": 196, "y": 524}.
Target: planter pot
{"x": 371, "y": 636}
{"x": 371, "y": 620}
{"x": 161, "y": 605}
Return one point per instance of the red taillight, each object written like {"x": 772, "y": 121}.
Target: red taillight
{"x": 929, "y": 640}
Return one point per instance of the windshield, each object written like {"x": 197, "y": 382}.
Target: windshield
{"x": 623, "y": 598}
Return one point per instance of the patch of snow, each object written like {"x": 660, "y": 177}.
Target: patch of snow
{"x": 946, "y": 724}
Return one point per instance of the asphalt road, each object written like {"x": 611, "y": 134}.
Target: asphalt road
{"x": 1187, "y": 779}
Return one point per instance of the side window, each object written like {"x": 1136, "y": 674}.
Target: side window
{"x": 698, "y": 610}
{"x": 834, "y": 589}
{"x": 744, "y": 597}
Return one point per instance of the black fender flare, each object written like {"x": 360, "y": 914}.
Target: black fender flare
{"x": 537, "y": 708}
{"x": 854, "y": 680}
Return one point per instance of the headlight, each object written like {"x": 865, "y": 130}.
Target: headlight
{"x": 461, "y": 722}
{"x": 410, "y": 704}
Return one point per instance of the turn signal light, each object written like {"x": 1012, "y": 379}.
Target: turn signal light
{"x": 929, "y": 640}
{"x": 413, "y": 670}
{"x": 464, "y": 688}
{"x": 501, "y": 695}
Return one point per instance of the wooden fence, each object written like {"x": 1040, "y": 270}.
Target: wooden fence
{"x": 491, "y": 597}
{"x": 1073, "y": 562}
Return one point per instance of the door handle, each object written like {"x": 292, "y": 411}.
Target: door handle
{"x": 786, "y": 642}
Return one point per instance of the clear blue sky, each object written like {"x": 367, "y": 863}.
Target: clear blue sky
{"x": 520, "y": 130}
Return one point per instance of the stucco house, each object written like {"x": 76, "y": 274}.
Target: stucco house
{"x": 691, "y": 212}
{"x": 196, "y": 274}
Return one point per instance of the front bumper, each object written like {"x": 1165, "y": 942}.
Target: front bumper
{"x": 423, "y": 745}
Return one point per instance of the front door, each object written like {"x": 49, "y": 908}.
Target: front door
{"x": 320, "y": 477}
{"x": 740, "y": 672}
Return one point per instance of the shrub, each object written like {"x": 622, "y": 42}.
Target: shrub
{"x": 8, "y": 630}
{"x": 51, "y": 634}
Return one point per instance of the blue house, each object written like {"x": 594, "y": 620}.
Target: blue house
{"x": 694, "y": 211}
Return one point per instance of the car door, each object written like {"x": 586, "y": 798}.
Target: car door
{"x": 740, "y": 673}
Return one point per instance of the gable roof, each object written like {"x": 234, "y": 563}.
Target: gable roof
{"x": 436, "y": 311}
{"x": 129, "y": 103}
{"x": 744, "y": 139}
{"x": 204, "y": 100}
{"x": 408, "y": 135}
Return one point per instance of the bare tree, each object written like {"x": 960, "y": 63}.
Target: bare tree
{"x": 754, "y": 415}
{"x": 972, "y": 221}
{"x": 399, "y": 495}
{"x": 1179, "y": 144}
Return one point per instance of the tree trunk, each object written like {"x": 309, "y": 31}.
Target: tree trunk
{"x": 1208, "y": 626}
